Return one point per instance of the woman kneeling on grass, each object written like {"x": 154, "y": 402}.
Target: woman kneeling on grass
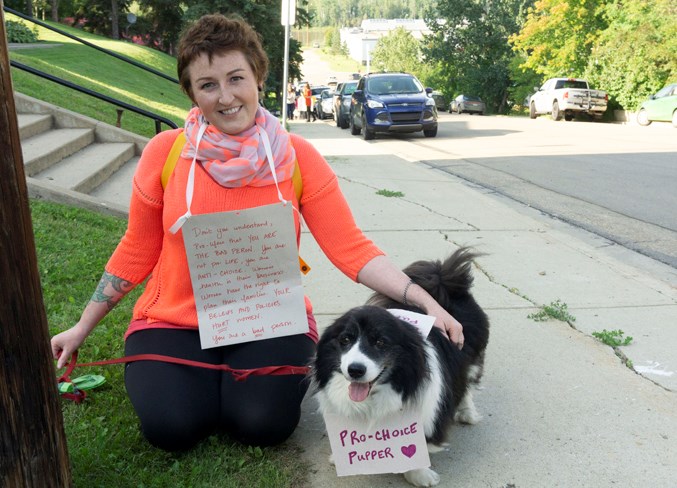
{"x": 222, "y": 67}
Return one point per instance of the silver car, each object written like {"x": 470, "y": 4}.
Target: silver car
{"x": 468, "y": 104}
{"x": 323, "y": 104}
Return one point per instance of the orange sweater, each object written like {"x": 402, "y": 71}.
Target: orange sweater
{"x": 148, "y": 248}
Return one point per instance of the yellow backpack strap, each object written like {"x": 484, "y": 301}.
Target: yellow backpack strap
{"x": 297, "y": 181}
{"x": 172, "y": 158}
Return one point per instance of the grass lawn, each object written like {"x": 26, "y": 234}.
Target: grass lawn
{"x": 341, "y": 63}
{"x": 105, "y": 446}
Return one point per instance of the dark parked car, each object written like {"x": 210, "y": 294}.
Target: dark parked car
{"x": 440, "y": 100}
{"x": 467, "y": 103}
{"x": 660, "y": 107}
{"x": 391, "y": 102}
{"x": 344, "y": 93}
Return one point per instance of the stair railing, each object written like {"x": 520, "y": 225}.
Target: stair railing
{"x": 157, "y": 118}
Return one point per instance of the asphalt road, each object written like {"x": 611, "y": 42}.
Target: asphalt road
{"x": 616, "y": 180}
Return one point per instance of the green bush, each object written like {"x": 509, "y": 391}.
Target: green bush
{"x": 19, "y": 32}
{"x": 646, "y": 34}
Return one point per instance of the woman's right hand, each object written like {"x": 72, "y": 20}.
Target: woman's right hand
{"x": 109, "y": 292}
{"x": 66, "y": 343}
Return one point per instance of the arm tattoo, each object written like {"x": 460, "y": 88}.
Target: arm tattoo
{"x": 121, "y": 286}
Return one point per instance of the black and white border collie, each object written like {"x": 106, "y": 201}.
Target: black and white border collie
{"x": 370, "y": 364}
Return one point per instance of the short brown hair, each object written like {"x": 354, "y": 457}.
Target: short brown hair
{"x": 215, "y": 34}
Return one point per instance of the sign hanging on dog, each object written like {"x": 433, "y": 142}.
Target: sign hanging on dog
{"x": 245, "y": 275}
{"x": 394, "y": 444}
{"x": 423, "y": 323}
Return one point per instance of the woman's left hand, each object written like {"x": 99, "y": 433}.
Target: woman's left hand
{"x": 451, "y": 327}
{"x": 382, "y": 276}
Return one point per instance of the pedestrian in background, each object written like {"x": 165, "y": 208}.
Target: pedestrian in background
{"x": 308, "y": 96}
{"x": 291, "y": 101}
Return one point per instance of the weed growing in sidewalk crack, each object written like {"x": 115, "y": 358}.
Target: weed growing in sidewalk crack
{"x": 390, "y": 193}
{"x": 613, "y": 338}
{"x": 556, "y": 310}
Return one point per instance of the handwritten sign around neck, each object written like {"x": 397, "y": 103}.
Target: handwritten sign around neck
{"x": 394, "y": 444}
{"x": 245, "y": 276}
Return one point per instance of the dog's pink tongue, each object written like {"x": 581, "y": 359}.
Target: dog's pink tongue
{"x": 358, "y": 391}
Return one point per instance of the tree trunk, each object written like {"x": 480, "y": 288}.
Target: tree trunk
{"x": 33, "y": 450}
{"x": 29, "y": 8}
{"x": 115, "y": 27}
{"x": 55, "y": 10}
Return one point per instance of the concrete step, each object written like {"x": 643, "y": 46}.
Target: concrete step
{"x": 118, "y": 188}
{"x": 33, "y": 124}
{"x": 76, "y": 160}
{"x": 43, "y": 150}
{"x": 88, "y": 168}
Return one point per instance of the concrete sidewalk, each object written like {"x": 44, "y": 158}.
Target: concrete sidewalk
{"x": 560, "y": 408}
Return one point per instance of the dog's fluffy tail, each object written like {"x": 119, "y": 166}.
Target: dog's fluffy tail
{"x": 446, "y": 280}
{"x": 452, "y": 277}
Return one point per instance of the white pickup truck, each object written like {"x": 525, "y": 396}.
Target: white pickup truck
{"x": 567, "y": 97}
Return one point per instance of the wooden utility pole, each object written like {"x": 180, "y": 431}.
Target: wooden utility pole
{"x": 33, "y": 450}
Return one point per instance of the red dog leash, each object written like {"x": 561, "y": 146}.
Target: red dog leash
{"x": 239, "y": 374}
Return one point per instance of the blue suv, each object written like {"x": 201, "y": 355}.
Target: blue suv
{"x": 391, "y": 102}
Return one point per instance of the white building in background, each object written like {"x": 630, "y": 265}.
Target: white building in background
{"x": 362, "y": 40}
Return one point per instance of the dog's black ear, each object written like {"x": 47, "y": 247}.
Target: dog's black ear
{"x": 335, "y": 328}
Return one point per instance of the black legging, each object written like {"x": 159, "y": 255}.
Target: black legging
{"x": 180, "y": 405}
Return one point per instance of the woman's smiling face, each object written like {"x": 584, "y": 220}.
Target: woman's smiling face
{"x": 226, "y": 90}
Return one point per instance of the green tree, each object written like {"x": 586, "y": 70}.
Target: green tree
{"x": 397, "y": 51}
{"x": 332, "y": 41}
{"x": 471, "y": 46}
{"x": 646, "y": 35}
{"x": 101, "y": 16}
{"x": 524, "y": 80}
{"x": 162, "y": 21}
{"x": 432, "y": 75}
{"x": 349, "y": 13}
{"x": 558, "y": 36}
{"x": 23, "y": 6}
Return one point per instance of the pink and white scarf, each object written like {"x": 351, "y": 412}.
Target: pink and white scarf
{"x": 240, "y": 160}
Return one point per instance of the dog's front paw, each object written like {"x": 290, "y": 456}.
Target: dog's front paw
{"x": 466, "y": 413}
{"x": 467, "y": 416}
{"x": 433, "y": 448}
{"x": 422, "y": 477}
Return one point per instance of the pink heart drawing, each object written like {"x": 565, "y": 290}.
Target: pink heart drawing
{"x": 409, "y": 451}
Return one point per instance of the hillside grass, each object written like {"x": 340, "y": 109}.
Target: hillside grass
{"x": 105, "y": 445}
{"x": 88, "y": 67}
{"x": 341, "y": 63}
